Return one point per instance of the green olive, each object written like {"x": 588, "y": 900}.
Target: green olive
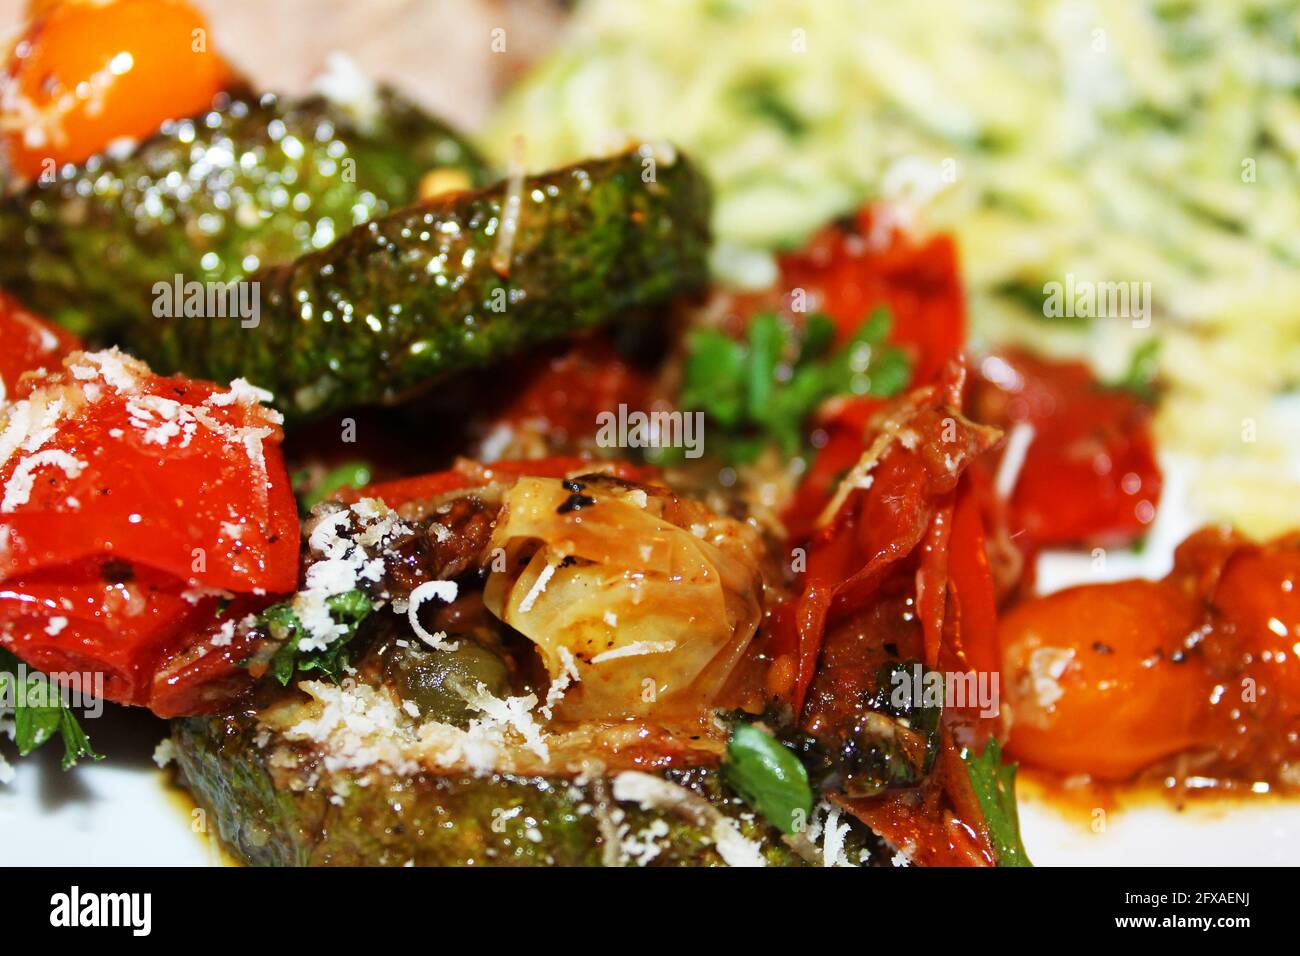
{"x": 429, "y": 678}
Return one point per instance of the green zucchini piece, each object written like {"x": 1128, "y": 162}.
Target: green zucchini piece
{"x": 266, "y": 818}
{"x": 431, "y": 289}
{"x": 252, "y": 183}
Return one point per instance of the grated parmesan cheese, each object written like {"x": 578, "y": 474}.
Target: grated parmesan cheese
{"x": 164, "y": 753}
{"x": 444, "y": 591}
{"x": 539, "y": 586}
{"x": 833, "y": 844}
{"x": 634, "y": 649}
{"x": 655, "y": 793}
{"x": 18, "y": 489}
{"x": 341, "y": 564}
{"x": 567, "y": 677}
{"x": 513, "y": 712}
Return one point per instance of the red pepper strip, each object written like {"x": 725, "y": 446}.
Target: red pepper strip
{"x": 120, "y": 491}
{"x": 27, "y": 343}
{"x": 971, "y": 581}
{"x": 844, "y": 446}
{"x": 879, "y": 526}
{"x": 469, "y": 474}
{"x": 1090, "y": 474}
{"x": 932, "y": 579}
{"x": 900, "y": 530}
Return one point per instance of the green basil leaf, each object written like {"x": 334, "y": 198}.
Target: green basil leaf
{"x": 769, "y": 777}
{"x": 995, "y": 789}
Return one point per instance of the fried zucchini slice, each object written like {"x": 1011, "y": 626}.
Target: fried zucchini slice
{"x": 255, "y": 182}
{"x": 459, "y": 281}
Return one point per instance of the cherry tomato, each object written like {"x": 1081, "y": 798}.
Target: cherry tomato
{"x": 1258, "y": 597}
{"x": 85, "y": 74}
{"x": 1099, "y": 681}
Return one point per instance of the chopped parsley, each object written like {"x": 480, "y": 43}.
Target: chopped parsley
{"x": 38, "y": 712}
{"x": 761, "y": 391}
{"x": 281, "y": 623}
{"x": 995, "y": 789}
{"x": 769, "y": 777}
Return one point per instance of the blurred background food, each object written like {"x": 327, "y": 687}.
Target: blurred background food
{"x": 1151, "y": 142}
{"x": 1112, "y": 141}
{"x": 439, "y": 51}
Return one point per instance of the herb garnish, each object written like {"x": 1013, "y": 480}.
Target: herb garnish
{"x": 995, "y": 789}
{"x": 769, "y": 777}
{"x": 35, "y": 723}
{"x": 282, "y": 623}
{"x": 761, "y": 391}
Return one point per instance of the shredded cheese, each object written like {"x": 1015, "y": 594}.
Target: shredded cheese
{"x": 635, "y": 649}
{"x": 19, "y": 487}
{"x": 567, "y": 677}
{"x": 1019, "y": 439}
{"x": 655, "y": 793}
{"x": 513, "y": 712}
{"x": 444, "y": 591}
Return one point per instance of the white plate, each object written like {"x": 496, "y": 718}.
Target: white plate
{"x": 119, "y": 812}
{"x": 1244, "y": 832}
{"x": 124, "y": 812}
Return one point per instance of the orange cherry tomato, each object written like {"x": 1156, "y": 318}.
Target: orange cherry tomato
{"x": 85, "y": 74}
{"x": 1259, "y": 597}
{"x": 1098, "y": 679}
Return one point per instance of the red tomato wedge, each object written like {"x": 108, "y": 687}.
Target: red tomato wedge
{"x": 1089, "y": 472}
{"x": 128, "y": 503}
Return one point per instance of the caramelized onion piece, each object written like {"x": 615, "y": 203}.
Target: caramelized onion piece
{"x": 654, "y": 598}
